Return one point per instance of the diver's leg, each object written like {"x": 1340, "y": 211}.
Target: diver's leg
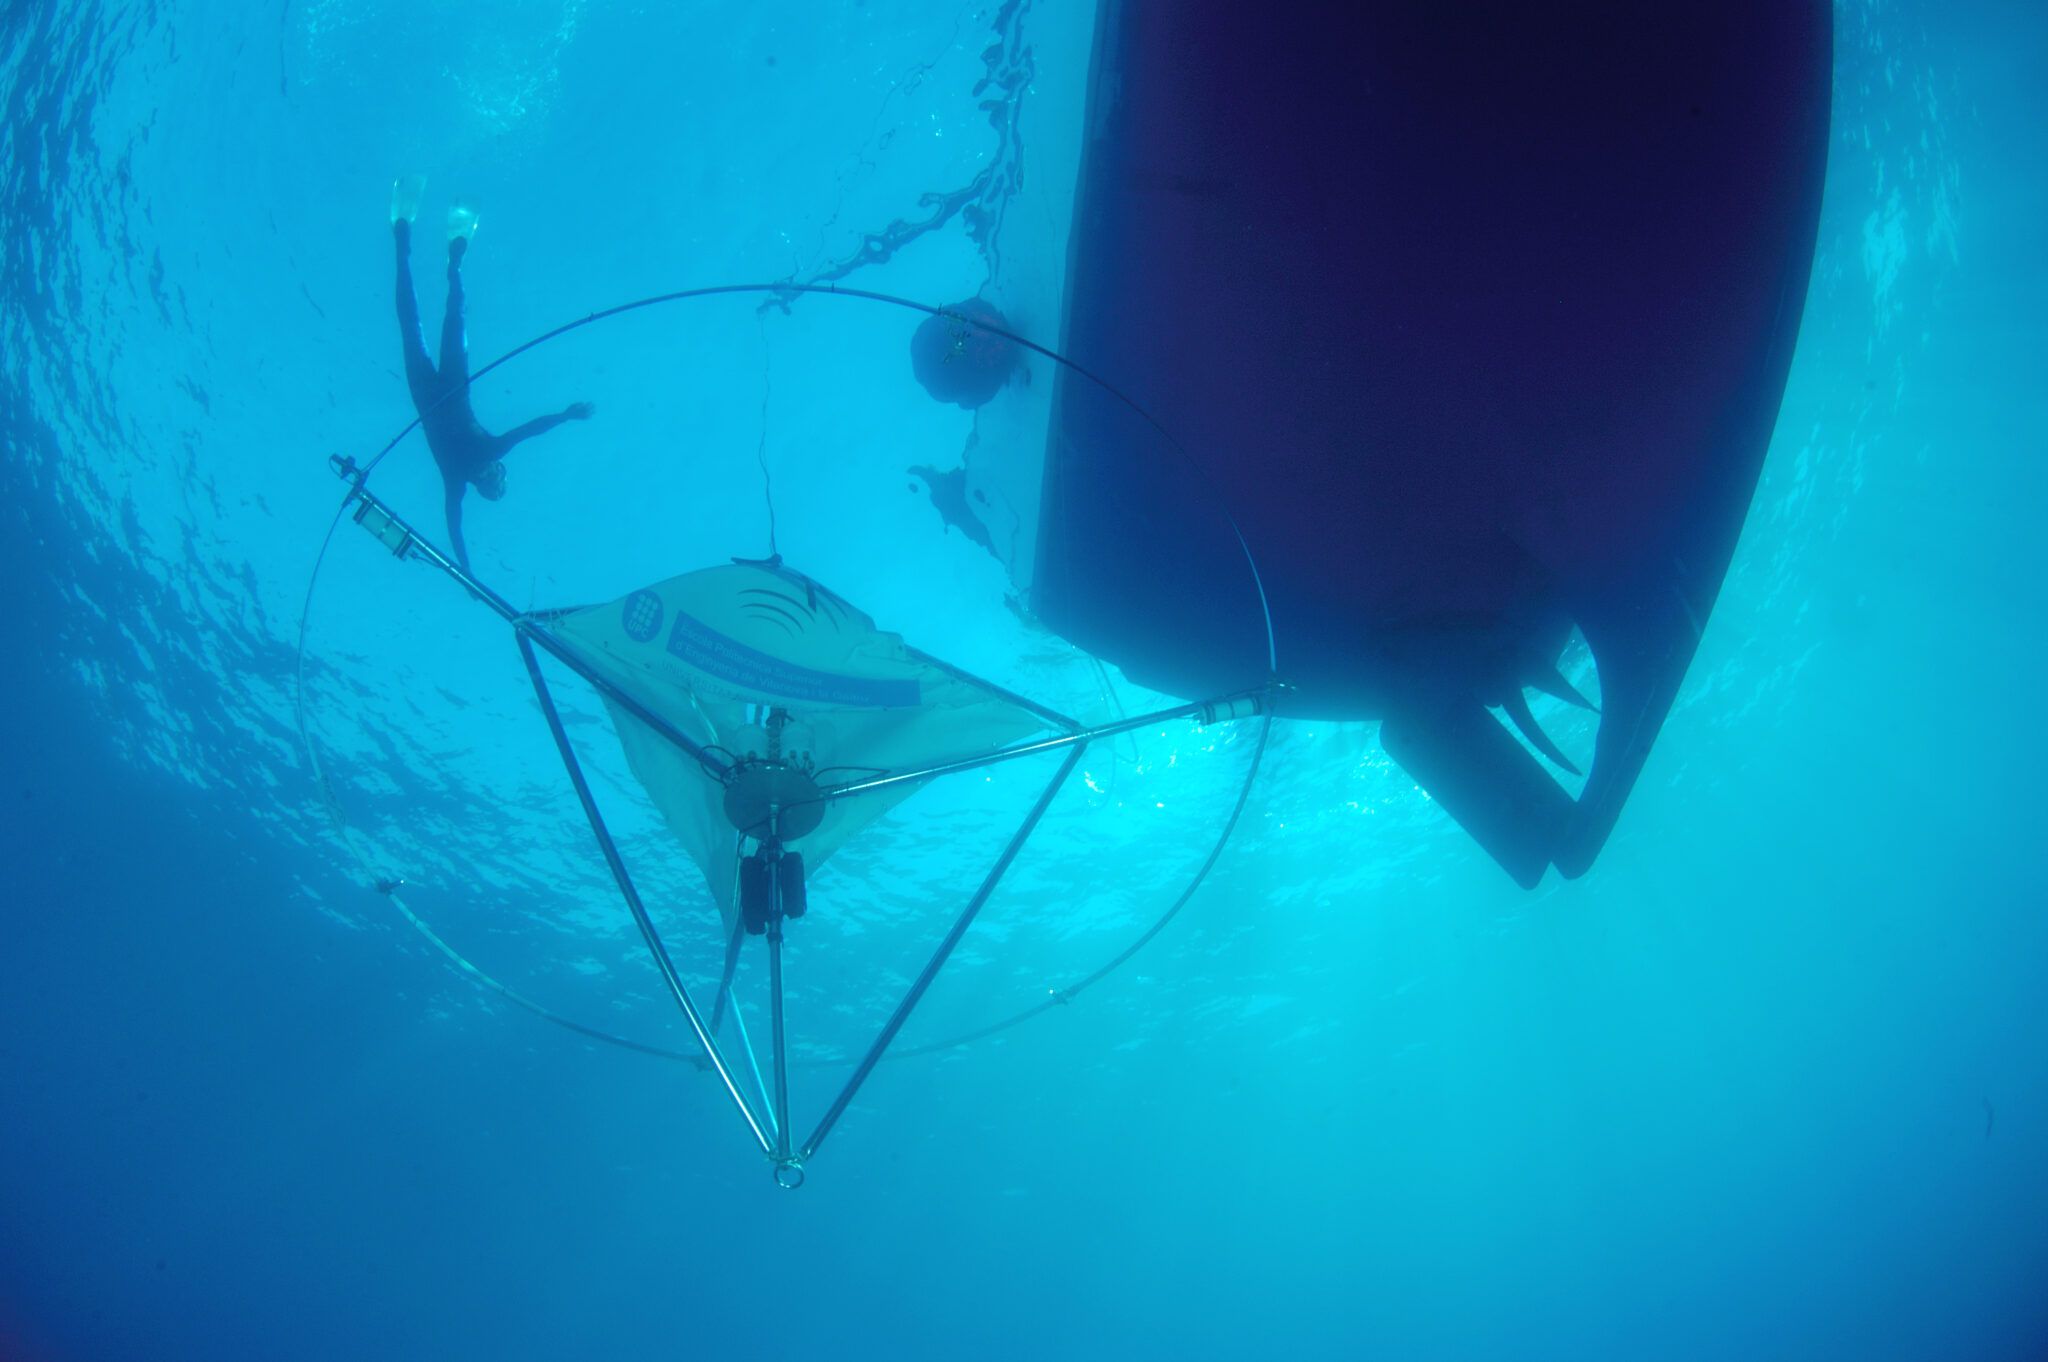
{"x": 454, "y": 344}
{"x": 453, "y": 341}
{"x": 419, "y": 370}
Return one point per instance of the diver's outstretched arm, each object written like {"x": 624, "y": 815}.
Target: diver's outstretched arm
{"x": 453, "y": 505}
{"x": 541, "y": 425}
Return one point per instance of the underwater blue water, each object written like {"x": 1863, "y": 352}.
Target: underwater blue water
{"x": 1771, "y": 1082}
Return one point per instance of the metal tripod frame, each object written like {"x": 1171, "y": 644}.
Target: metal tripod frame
{"x": 769, "y": 1123}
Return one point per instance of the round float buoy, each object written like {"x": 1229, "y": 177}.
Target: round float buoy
{"x": 958, "y": 360}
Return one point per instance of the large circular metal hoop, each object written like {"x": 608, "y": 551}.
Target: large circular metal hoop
{"x": 773, "y": 294}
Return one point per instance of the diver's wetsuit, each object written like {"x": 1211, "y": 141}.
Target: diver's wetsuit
{"x": 463, "y": 449}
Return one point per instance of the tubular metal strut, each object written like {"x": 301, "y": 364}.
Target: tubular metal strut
{"x": 774, "y": 1138}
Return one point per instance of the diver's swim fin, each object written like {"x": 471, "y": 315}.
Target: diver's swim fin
{"x": 461, "y": 221}
{"x": 406, "y": 193}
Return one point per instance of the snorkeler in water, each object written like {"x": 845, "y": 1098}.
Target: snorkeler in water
{"x": 466, "y": 453}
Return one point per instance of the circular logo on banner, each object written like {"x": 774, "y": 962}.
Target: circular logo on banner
{"x": 642, "y": 616}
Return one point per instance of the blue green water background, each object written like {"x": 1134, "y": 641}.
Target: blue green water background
{"x": 1772, "y": 1082}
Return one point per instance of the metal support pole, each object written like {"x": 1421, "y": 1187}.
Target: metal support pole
{"x": 739, "y": 1021}
{"x": 771, "y": 856}
{"x": 939, "y": 956}
{"x": 1052, "y": 716}
{"x": 403, "y": 540}
{"x": 732, "y": 964}
{"x": 617, "y": 865}
{"x": 725, "y": 999}
{"x": 1240, "y": 705}
{"x": 779, "y": 1040}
